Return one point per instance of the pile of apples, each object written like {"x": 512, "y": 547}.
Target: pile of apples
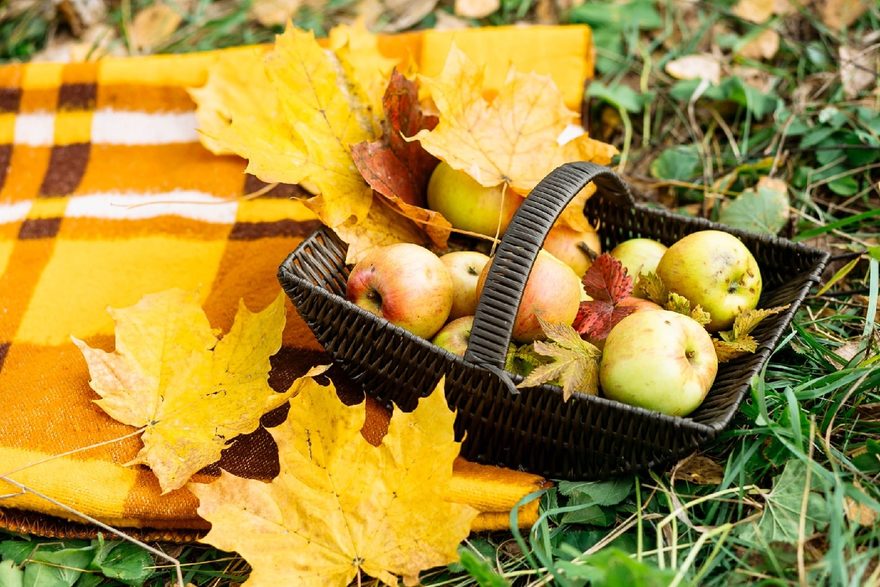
{"x": 654, "y": 358}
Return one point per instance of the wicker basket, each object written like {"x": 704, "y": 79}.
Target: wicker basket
{"x": 533, "y": 429}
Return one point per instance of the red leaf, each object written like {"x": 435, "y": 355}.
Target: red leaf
{"x": 607, "y": 283}
{"x": 395, "y": 168}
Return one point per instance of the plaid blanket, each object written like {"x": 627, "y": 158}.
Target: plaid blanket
{"x": 107, "y": 195}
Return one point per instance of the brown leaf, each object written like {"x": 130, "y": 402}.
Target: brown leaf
{"x": 839, "y": 14}
{"x": 698, "y": 469}
{"x": 274, "y": 12}
{"x": 762, "y": 46}
{"x": 393, "y": 15}
{"x": 397, "y": 169}
{"x": 858, "y": 512}
{"x": 757, "y": 11}
{"x": 476, "y": 8}
{"x": 858, "y": 69}
{"x": 153, "y": 26}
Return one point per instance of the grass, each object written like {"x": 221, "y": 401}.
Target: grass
{"x": 789, "y": 494}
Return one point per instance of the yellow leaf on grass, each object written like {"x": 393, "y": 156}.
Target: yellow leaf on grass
{"x": 341, "y": 507}
{"x": 153, "y": 26}
{"x": 192, "y": 393}
{"x": 510, "y": 139}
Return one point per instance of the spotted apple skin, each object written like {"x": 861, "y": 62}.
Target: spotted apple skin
{"x": 716, "y": 270}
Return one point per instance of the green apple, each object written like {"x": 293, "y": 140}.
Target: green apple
{"x": 406, "y": 284}
{"x": 468, "y": 205}
{"x": 658, "y": 360}
{"x": 455, "y": 335}
{"x": 715, "y": 270}
{"x": 570, "y": 247}
{"x": 464, "y": 268}
{"x": 553, "y": 292}
{"x": 639, "y": 255}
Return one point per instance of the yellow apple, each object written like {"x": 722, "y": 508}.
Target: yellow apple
{"x": 715, "y": 270}
{"x": 468, "y": 205}
{"x": 568, "y": 245}
{"x": 464, "y": 268}
{"x": 658, "y": 360}
{"x": 639, "y": 255}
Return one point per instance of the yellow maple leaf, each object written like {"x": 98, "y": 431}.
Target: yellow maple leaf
{"x": 340, "y": 506}
{"x": 512, "y": 138}
{"x": 382, "y": 226}
{"x": 191, "y": 393}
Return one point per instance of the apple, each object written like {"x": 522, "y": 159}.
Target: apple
{"x": 715, "y": 270}
{"x": 658, "y": 360}
{"x": 455, "y": 335}
{"x": 553, "y": 292}
{"x": 468, "y": 205}
{"x": 406, "y": 284}
{"x": 464, "y": 268}
{"x": 568, "y": 245}
{"x": 639, "y": 255}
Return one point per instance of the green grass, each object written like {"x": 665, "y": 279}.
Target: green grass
{"x": 798, "y": 500}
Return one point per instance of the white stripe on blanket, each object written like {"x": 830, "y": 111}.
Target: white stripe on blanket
{"x": 139, "y": 128}
{"x": 136, "y": 206}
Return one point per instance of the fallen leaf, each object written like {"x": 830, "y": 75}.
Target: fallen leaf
{"x": 274, "y": 12}
{"x": 153, "y": 26}
{"x": 382, "y": 226}
{"x": 574, "y": 362}
{"x": 449, "y": 22}
{"x": 702, "y": 66}
{"x": 511, "y": 138}
{"x": 762, "y": 46}
{"x": 764, "y": 208}
{"x": 398, "y": 169}
{"x": 857, "y": 512}
{"x": 341, "y": 507}
{"x": 698, "y": 469}
{"x": 607, "y": 283}
{"x": 738, "y": 341}
{"x": 315, "y": 104}
{"x": 476, "y": 8}
{"x": 81, "y": 15}
{"x": 191, "y": 393}
{"x": 394, "y": 15}
{"x": 858, "y": 69}
{"x": 839, "y": 14}
{"x": 757, "y": 11}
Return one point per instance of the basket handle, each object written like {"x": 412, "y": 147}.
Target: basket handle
{"x": 516, "y": 254}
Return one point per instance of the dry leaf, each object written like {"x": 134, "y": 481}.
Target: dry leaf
{"x": 394, "y": 15}
{"x": 651, "y": 287}
{"x": 476, "y": 8}
{"x": 839, "y": 14}
{"x": 449, "y": 22}
{"x": 274, "y": 12}
{"x": 153, "y": 26}
{"x": 859, "y": 513}
{"x": 512, "y": 138}
{"x": 702, "y": 66}
{"x": 341, "y": 507}
{"x": 739, "y": 341}
{"x": 398, "y": 169}
{"x": 191, "y": 393}
{"x": 698, "y": 469}
{"x": 81, "y": 15}
{"x": 681, "y": 305}
{"x": 763, "y": 46}
{"x": 574, "y": 362}
{"x": 858, "y": 69}
{"x": 757, "y": 11}
{"x": 382, "y": 226}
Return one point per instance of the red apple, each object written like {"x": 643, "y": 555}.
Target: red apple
{"x": 568, "y": 245}
{"x": 553, "y": 292}
{"x": 467, "y": 204}
{"x": 658, "y": 360}
{"x": 406, "y": 284}
{"x": 464, "y": 268}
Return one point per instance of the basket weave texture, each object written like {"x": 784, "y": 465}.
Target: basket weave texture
{"x": 533, "y": 429}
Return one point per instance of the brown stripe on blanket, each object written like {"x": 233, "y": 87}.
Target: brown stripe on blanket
{"x": 5, "y": 160}
{"x": 67, "y": 164}
{"x": 4, "y": 349}
{"x": 39, "y": 228}
{"x": 149, "y": 99}
{"x": 253, "y": 185}
{"x": 89, "y": 228}
{"x": 77, "y": 96}
{"x": 10, "y": 98}
{"x": 245, "y": 231}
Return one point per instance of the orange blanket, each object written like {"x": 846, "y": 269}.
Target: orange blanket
{"x": 107, "y": 195}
